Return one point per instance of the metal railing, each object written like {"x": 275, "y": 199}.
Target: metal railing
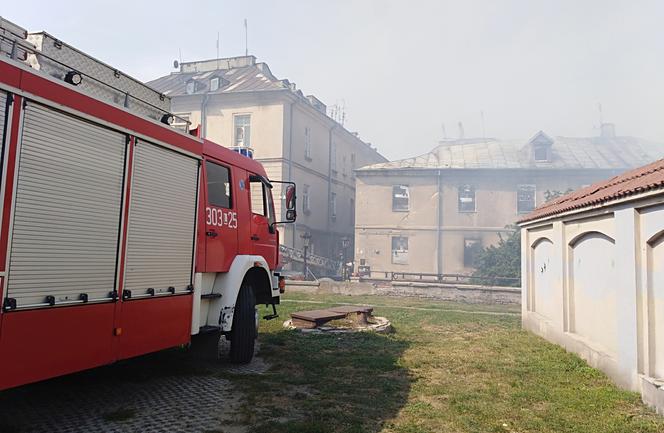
{"x": 441, "y": 278}
{"x": 312, "y": 259}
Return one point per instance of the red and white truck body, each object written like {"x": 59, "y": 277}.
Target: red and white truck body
{"x": 119, "y": 235}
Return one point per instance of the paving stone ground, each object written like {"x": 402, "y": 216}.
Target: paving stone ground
{"x": 165, "y": 392}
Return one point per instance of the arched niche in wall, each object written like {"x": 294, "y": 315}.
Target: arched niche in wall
{"x": 655, "y": 294}
{"x": 592, "y": 290}
{"x": 543, "y": 297}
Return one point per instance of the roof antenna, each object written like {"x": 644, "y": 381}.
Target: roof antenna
{"x": 601, "y": 118}
{"x": 483, "y": 130}
{"x": 246, "y": 38}
{"x": 217, "y": 50}
{"x": 442, "y": 125}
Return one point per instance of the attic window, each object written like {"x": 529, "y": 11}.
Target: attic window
{"x": 214, "y": 84}
{"x": 542, "y": 153}
{"x": 191, "y": 87}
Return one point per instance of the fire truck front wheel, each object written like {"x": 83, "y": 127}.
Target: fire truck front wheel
{"x": 245, "y": 329}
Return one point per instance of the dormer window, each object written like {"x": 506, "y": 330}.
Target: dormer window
{"x": 214, "y": 84}
{"x": 191, "y": 87}
{"x": 540, "y": 146}
{"x": 541, "y": 153}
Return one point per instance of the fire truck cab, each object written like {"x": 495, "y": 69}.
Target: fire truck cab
{"x": 119, "y": 235}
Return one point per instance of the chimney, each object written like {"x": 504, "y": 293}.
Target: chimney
{"x": 461, "y": 132}
{"x": 608, "y": 130}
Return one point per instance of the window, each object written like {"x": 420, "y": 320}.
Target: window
{"x": 400, "y": 250}
{"x": 214, "y": 84}
{"x": 305, "y": 199}
{"x": 541, "y": 153}
{"x": 261, "y": 199}
{"x": 258, "y": 206}
{"x": 471, "y": 248}
{"x": 307, "y": 143}
{"x": 242, "y": 130}
{"x": 333, "y": 205}
{"x": 218, "y": 185}
{"x": 466, "y": 198}
{"x": 400, "y": 198}
{"x": 525, "y": 198}
{"x": 190, "y": 87}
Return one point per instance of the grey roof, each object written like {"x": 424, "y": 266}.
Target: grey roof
{"x": 566, "y": 153}
{"x": 247, "y": 78}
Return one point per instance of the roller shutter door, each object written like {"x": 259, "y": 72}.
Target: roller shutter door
{"x": 67, "y": 212}
{"x": 3, "y": 117}
{"x": 162, "y": 213}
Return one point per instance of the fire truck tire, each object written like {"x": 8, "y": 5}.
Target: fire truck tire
{"x": 244, "y": 331}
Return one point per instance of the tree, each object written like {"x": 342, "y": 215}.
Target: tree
{"x": 501, "y": 264}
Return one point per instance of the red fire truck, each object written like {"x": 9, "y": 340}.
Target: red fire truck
{"x": 119, "y": 235}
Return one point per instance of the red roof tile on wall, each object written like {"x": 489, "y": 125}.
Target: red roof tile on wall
{"x": 647, "y": 178}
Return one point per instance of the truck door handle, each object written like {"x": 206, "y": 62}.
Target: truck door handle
{"x": 212, "y": 234}
{"x": 255, "y": 238}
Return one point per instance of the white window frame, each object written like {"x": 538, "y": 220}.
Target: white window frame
{"x": 214, "y": 84}
{"x": 307, "y": 143}
{"x": 305, "y": 199}
{"x": 246, "y": 142}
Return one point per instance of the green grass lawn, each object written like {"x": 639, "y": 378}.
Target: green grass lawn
{"x": 446, "y": 368}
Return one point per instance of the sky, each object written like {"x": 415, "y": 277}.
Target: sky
{"x": 407, "y": 72}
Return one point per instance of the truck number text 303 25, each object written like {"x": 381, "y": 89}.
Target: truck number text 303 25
{"x": 221, "y": 217}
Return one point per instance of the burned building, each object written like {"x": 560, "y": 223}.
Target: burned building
{"x": 433, "y": 213}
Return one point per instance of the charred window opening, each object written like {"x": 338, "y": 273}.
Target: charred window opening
{"x": 525, "y": 198}
{"x": 400, "y": 198}
{"x": 471, "y": 248}
{"x": 466, "y": 198}
{"x": 400, "y": 250}
{"x": 218, "y": 185}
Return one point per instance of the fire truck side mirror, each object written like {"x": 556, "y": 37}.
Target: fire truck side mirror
{"x": 290, "y": 200}
{"x": 291, "y": 215}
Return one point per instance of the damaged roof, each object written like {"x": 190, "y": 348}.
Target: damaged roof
{"x": 251, "y": 78}
{"x": 618, "y": 152}
{"x": 640, "y": 180}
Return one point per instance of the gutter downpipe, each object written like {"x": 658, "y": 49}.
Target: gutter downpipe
{"x": 439, "y": 226}
{"x": 329, "y": 184}
{"x": 204, "y": 105}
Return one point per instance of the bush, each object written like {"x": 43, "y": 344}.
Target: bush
{"x": 501, "y": 264}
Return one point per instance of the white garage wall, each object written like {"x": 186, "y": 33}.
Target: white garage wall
{"x": 594, "y": 283}
{"x": 593, "y": 291}
{"x": 545, "y": 299}
{"x": 655, "y": 283}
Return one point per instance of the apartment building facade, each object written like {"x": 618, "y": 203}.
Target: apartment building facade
{"x": 434, "y": 213}
{"x": 240, "y": 104}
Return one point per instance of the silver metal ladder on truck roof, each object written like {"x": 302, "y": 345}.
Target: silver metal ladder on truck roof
{"x": 51, "y": 56}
